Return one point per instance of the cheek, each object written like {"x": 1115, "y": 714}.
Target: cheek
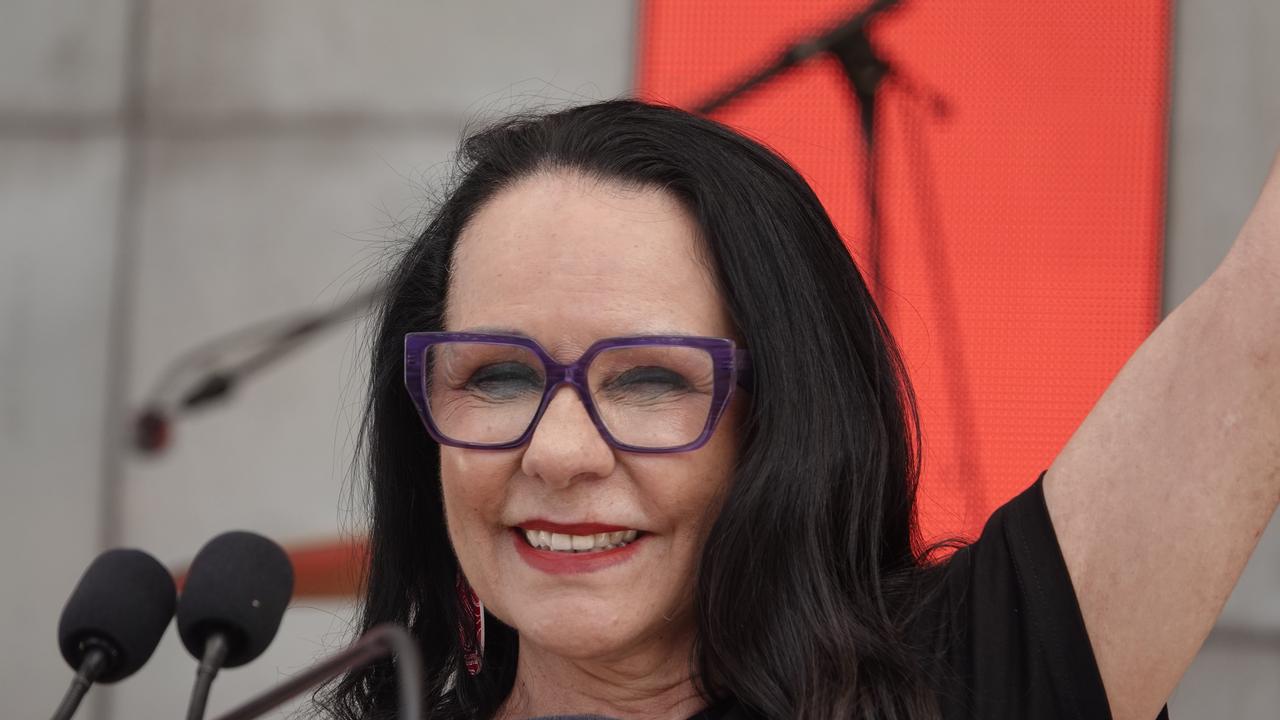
{"x": 718, "y": 459}
{"x": 690, "y": 489}
{"x": 704, "y": 498}
{"x": 713, "y": 470}
{"x": 474, "y": 488}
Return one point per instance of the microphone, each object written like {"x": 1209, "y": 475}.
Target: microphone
{"x": 232, "y": 602}
{"x": 113, "y": 621}
{"x": 800, "y": 51}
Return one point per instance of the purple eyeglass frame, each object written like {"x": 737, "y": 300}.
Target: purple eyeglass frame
{"x": 732, "y": 366}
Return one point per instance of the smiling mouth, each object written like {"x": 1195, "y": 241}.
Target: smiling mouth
{"x": 576, "y": 544}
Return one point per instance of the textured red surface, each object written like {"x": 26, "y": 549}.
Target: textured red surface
{"x": 324, "y": 569}
{"x": 1037, "y": 271}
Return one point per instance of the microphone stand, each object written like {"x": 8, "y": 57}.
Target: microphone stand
{"x": 865, "y": 70}
{"x": 224, "y": 362}
{"x": 215, "y": 656}
{"x": 96, "y": 661}
{"x": 381, "y": 641}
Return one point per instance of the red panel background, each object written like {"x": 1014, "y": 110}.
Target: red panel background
{"x": 1020, "y": 284}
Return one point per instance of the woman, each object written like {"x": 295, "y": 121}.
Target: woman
{"x": 631, "y": 397}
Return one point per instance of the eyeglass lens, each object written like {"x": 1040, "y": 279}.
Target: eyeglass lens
{"x": 649, "y": 396}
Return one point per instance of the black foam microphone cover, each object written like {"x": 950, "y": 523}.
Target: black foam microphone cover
{"x": 123, "y": 603}
{"x": 238, "y": 585}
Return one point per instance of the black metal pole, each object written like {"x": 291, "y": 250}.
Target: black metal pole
{"x": 380, "y": 641}
{"x": 866, "y": 71}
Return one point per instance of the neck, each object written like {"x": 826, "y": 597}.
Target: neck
{"x": 650, "y": 685}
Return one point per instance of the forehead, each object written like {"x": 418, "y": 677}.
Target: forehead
{"x": 568, "y": 259}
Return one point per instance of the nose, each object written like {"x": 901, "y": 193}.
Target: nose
{"x": 566, "y": 446}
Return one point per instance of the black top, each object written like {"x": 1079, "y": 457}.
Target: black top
{"x": 1010, "y": 628}
{"x": 1007, "y": 627}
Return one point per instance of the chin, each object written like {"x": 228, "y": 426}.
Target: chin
{"x": 578, "y": 630}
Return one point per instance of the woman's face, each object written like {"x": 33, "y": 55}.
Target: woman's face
{"x": 567, "y": 261}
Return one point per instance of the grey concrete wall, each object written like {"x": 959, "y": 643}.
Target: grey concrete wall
{"x": 173, "y": 171}
{"x": 1225, "y": 129}
{"x": 61, "y": 155}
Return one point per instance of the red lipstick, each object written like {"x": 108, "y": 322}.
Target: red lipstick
{"x": 572, "y": 563}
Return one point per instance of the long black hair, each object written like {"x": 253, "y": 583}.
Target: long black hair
{"x": 813, "y": 572}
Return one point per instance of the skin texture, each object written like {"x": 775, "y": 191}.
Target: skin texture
{"x": 568, "y": 260}
{"x": 1162, "y": 493}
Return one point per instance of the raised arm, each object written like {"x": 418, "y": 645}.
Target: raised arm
{"x": 1162, "y": 493}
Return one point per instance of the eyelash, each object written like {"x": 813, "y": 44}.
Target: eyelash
{"x": 647, "y": 376}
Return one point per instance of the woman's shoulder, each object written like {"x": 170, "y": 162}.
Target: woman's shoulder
{"x": 1005, "y": 626}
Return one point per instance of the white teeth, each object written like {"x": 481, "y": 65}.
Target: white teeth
{"x": 561, "y": 542}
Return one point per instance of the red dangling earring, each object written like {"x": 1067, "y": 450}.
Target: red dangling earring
{"x": 473, "y": 610}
